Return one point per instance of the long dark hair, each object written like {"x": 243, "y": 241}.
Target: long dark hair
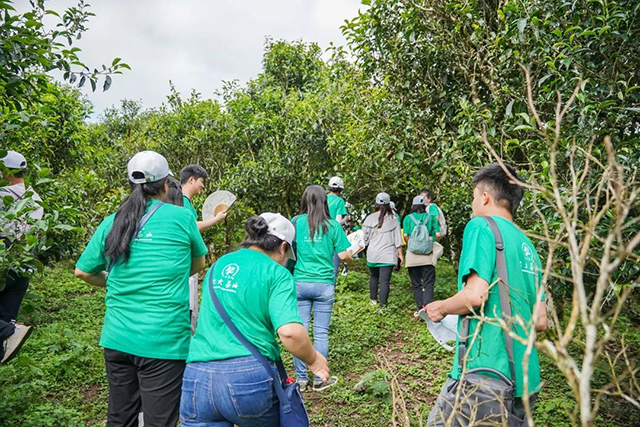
{"x": 384, "y": 211}
{"x": 256, "y": 228}
{"x": 174, "y": 195}
{"x": 127, "y": 217}
{"x": 314, "y": 204}
{"x": 419, "y": 208}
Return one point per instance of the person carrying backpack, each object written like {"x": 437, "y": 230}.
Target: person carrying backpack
{"x": 420, "y": 230}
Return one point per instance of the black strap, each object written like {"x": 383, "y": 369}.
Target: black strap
{"x": 284, "y": 402}
{"x": 505, "y": 304}
{"x": 141, "y": 224}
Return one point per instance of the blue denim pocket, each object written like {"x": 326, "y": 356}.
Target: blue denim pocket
{"x": 188, "y": 400}
{"x": 252, "y": 400}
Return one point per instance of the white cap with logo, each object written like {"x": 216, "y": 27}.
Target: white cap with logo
{"x": 147, "y": 166}
{"x": 14, "y": 160}
{"x": 335, "y": 183}
{"x": 282, "y": 228}
{"x": 383, "y": 199}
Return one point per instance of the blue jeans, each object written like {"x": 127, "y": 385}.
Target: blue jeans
{"x": 336, "y": 267}
{"x": 222, "y": 393}
{"x": 316, "y": 297}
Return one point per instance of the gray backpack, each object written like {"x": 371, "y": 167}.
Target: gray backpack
{"x": 420, "y": 242}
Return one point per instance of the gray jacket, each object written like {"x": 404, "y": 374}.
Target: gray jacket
{"x": 384, "y": 241}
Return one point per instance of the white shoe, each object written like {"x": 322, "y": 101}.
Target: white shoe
{"x": 15, "y": 341}
{"x": 373, "y": 302}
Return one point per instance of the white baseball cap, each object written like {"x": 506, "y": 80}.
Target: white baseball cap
{"x": 336, "y": 183}
{"x": 147, "y": 166}
{"x": 14, "y": 160}
{"x": 383, "y": 199}
{"x": 282, "y": 228}
{"x": 418, "y": 200}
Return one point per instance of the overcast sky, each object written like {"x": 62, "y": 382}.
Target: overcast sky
{"x": 195, "y": 43}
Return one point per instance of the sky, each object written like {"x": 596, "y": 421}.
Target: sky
{"x": 197, "y": 44}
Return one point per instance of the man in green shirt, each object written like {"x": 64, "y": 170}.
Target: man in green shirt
{"x": 496, "y": 196}
{"x": 193, "y": 179}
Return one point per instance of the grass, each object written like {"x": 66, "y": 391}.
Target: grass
{"x": 58, "y": 379}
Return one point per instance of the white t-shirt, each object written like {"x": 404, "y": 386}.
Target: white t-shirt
{"x": 14, "y": 228}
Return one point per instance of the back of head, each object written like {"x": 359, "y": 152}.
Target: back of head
{"x": 336, "y": 184}
{"x": 148, "y": 172}
{"x": 15, "y": 163}
{"x": 268, "y": 231}
{"x": 174, "y": 195}
{"x": 383, "y": 207}
{"x": 505, "y": 192}
{"x": 418, "y": 205}
{"x": 314, "y": 204}
{"x": 192, "y": 171}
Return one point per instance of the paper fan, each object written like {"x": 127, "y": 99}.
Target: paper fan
{"x": 217, "y": 202}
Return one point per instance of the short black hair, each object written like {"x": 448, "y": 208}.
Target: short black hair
{"x": 506, "y": 193}
{"x": 195, "y": 171}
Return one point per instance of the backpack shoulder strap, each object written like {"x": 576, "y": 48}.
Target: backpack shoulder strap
{"x": 413, "y": 218}
{"x": 505, "y": 303}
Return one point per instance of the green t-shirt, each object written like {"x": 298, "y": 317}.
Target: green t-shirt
{"x": 525, "y": 278}
{"x": 336, "y": 206}
{"x": 186, "y": 202}
{"x": 147, "y": 299}
{"x": 315, "y": 257}
{"x": 432, "y": 225}
{"x": 259, "y": 296}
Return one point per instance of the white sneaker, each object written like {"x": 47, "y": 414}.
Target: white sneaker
{"x": 15, "y": 341}
{"x": 320, "y": 386}
{"x": 373, "y": 302}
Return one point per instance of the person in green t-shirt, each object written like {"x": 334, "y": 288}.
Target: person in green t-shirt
{"x": 318, "y": 238}
{"x": 148, "y": 249}
{"x": 497, "y": 196}
{"x": 193, "y": 179}
{"x": 337, "y": 211}
{"x": 422, "y": 268}
{"x": 259, "y": 296}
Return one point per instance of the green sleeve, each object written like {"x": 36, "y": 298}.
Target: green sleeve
{"x": 407, "y": 225}
{"x": 283, "y": 302}
{"x": 340, "y": 241}
{"x": 433, "y": 226}
{"x": 342, "y": 207}
{"x": 478, "y": 252}
{"x": 198, "y": 247}
{"x": 93, "y": 259}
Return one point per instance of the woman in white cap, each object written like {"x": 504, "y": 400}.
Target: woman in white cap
{"x": 382, "y": 235}
{"x": 144, "y": 254}
{"x": 224, "y": 383}
{"x": 422, "y": 270}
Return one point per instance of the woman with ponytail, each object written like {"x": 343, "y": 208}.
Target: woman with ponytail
{"x": 224, "y": 384}
{"x": 144, "y": 254}
{"x": 318, "y": 238}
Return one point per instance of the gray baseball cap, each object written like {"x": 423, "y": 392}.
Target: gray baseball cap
{"x": 418, "y": 200}
{"x": 147, "y": 166}
{"x": 383, "y": 199}
{"x": 14, "y": 160}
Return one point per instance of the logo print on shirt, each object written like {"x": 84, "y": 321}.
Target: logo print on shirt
{"x": 227, "y": 282}
{"x": 529, "y": 264}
